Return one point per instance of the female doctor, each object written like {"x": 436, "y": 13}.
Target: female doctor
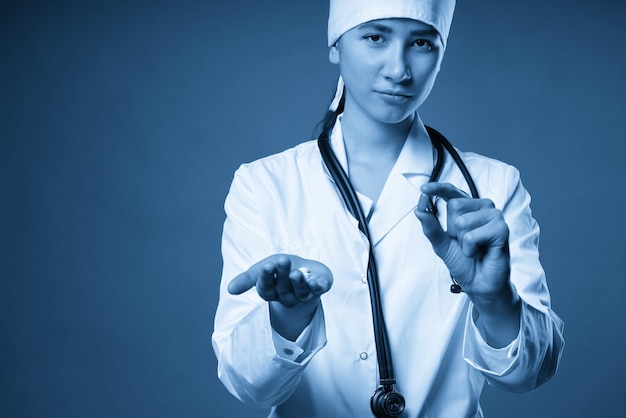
{"x": 294, "y": 325}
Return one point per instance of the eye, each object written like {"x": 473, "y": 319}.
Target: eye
{"x": 376, "y": 39}
{"x": 423, "y": 44}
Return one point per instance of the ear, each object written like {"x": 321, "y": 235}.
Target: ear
{"x": 333, "y": 54}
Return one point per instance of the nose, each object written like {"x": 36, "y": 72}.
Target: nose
{"x": 396, "y": 67}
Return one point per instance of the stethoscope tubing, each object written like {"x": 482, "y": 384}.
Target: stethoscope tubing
{"x": 349, "y": 196}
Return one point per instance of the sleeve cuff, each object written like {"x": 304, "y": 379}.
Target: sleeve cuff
{"x": 310, "y": 341}
{"x": 481, "y": 356}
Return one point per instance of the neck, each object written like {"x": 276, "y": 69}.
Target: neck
{"x": 367, "y": 139}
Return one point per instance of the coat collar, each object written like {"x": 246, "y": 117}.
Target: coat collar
{"x": 401, "y": 192}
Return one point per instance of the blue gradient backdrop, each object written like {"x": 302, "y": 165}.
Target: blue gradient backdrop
{"x": 121, "y": 124}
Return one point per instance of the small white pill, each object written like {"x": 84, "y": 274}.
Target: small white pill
{"x": 305, "y": 272}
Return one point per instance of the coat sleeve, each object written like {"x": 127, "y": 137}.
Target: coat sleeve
{"x": 532, "y": 358}
{"x": 249, "y": 365}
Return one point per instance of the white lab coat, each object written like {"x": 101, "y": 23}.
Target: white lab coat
{"x": 287, "y": 203}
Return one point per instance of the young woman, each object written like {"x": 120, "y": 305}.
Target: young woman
{"x": 325, "y": 314}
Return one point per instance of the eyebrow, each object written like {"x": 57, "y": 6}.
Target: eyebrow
{"x": 386, "y": 29}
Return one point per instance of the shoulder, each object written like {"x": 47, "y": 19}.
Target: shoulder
{"x": 282, "y": 169}
{"x": 281, "y": 161}
{"x": 495, "y": 179}
{"x": 278, "y": 187}
{"x": 486, "y": 166}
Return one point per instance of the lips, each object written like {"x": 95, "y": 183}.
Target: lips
{"x": 391, "y": 96}
{"x": 394, "y": 93}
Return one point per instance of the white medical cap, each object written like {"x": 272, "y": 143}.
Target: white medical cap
{"x": 347, "y": 14}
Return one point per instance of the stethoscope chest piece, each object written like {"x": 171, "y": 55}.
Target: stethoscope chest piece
{"x": 387, "y": 403}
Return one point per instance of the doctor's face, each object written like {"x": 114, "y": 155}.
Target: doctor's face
{"x": 388, "y": 66}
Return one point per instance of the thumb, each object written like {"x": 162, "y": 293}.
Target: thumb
{"x": 438, "y": 238}
{"x": 243, "y": 282}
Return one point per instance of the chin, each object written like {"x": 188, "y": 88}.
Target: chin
{"x": 393, "y": 114}
{"x": 394, "y": 117}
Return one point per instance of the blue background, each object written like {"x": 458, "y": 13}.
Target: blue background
{"x": 121, "y": 124}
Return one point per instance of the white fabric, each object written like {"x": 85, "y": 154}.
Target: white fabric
{"x": 287, "y": 203}
{"x": 338, "y": 94}
{"x": 347, "y": 14}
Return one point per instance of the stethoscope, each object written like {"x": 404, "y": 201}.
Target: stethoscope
{"x": 386, "y": 401}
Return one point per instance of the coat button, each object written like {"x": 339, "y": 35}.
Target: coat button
{"x": 363, "y": 356}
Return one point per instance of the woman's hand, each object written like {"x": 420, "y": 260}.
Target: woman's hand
{"x": 284, "y": 278}
{"x": 475, "y": 248}
{"x": 293, "y": 286}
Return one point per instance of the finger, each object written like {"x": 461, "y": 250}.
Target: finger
{"x": 242, "y": 283}
{"x": 248, "y": 279}
{"x": 284, "y": 290}
{"x": 317, "y": 277}
{"x": 425, "y": 204}
{"x": 300, "y": 288}
{"x": 438, "y": 238}
{"x": 469, "y": 218}
{"x": 322, "y": 275}
{"x": 318, "y": 286}
{"x": 266, "y": 283}
{"x": 445, "y": 191}
{"x": 319, "y": 283}
{"x": 284, "y": 286}
{"x": 472, "y": 217}
{"x": 283, "y": 266}
{"x": 481, "y": 231}
{"x": 458, "y": 207}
